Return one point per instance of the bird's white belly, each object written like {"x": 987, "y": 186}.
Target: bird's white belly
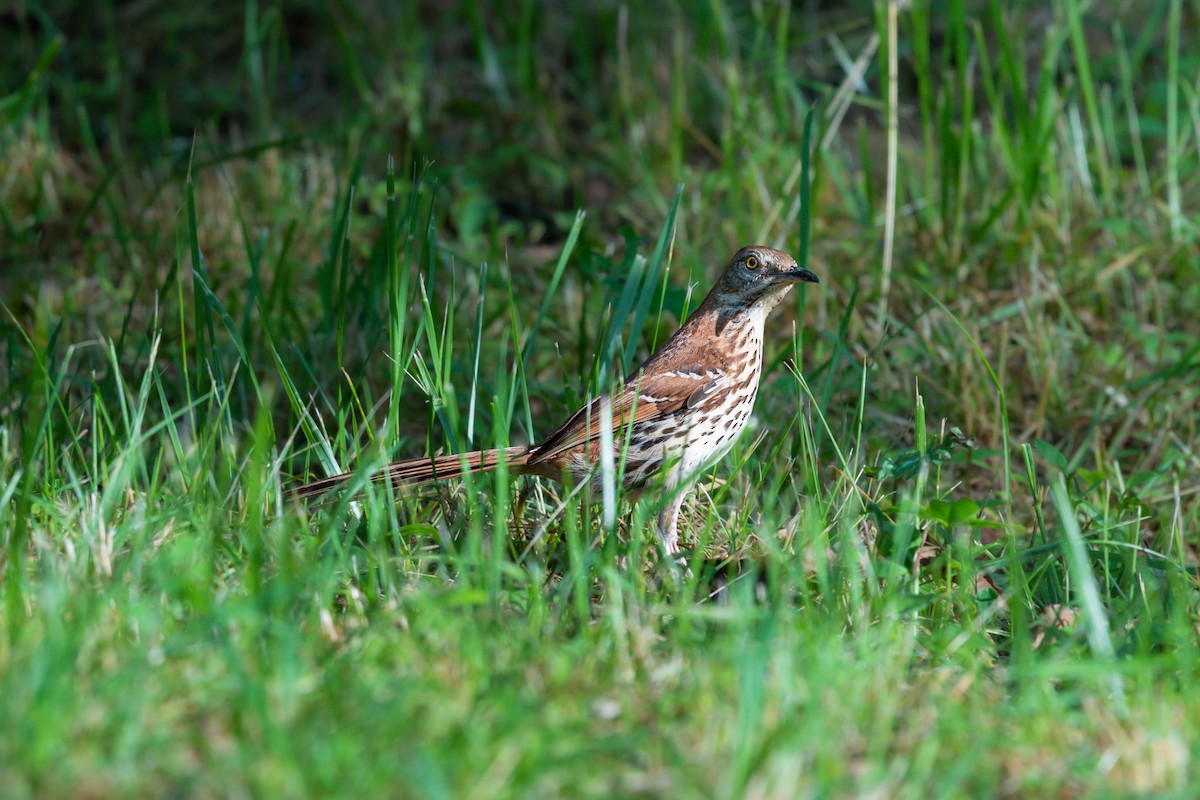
{"x": 687, "y": 447}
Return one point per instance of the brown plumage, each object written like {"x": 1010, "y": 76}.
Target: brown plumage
{"x": 686, "y": 403}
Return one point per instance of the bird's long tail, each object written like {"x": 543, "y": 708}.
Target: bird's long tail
{"x": 414, "y": 471}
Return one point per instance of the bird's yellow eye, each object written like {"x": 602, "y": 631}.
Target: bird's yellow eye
{"x": 751, "y": 263}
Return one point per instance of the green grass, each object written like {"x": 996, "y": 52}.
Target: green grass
{"x": 954, "y": 556}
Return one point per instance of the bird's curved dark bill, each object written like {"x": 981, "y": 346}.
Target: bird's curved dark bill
{"x": 802, "y": 275}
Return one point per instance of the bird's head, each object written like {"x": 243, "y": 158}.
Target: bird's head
{"x": 758, "y": 277}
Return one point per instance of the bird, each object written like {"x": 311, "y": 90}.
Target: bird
{"x": 675, "y": 416}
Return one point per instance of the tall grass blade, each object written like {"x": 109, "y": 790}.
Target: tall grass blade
{"x": 1088, "y": 593}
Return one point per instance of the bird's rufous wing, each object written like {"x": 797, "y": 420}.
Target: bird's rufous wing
{"x": 643, "y": 398}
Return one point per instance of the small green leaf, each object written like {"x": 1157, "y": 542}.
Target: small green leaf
{"x": 963, "y": 511}
{"x": 1052, "y": 454}
{"x": 953, "y": 514}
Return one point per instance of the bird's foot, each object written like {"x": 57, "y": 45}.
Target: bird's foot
{"x": 675, "y": 563}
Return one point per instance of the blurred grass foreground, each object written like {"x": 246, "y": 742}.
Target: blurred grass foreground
{"x": 245, "y": 245}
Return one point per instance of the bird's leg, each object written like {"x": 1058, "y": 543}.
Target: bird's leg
{"x": 668, "y": 531}
{"x": 668, "y": 524}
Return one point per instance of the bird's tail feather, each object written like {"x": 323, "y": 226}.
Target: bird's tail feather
{"x": 414, "y": 471}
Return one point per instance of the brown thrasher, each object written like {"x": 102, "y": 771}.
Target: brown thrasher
{"x": 680, "y": 411}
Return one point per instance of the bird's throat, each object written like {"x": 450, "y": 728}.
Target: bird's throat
{"x": 731, "y": 315}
